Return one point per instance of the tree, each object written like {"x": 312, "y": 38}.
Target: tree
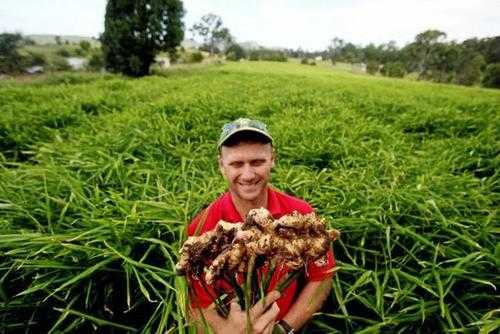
{"x": 85, "y": 46}
{"x": 492, "y": 76}
{"x": 372, "y": 67}
{"x": 469, "y": 69}
{"x": 235, "y": 52}
{"x": 10, "y": 59}
{"x": 136, "y": 30}
{"x": 63, "y": 52}
{"x": 493, "y": 50}
{"x": 335, "y": 49}
{"x": 394, "y": 70}
{"x": 211, "y": 29}
{"x": 96, "y": 61}
{"x": 371, "y": 53}
{"x": 58, "y": 40}
{"x": 442, "y": 62}
{"x": 424, "y": 48}
{"x": 35, "y": 59}
{"x": 29, "y": 41}
{"x": 350, "y": 53}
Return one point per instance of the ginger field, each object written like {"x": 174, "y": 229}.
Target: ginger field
{"x": 99, "y": 176}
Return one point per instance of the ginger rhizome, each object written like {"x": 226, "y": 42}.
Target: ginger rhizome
{"x": 293, "y": 240}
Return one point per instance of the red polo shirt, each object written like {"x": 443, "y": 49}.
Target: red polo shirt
{"x": 279, "y": 204}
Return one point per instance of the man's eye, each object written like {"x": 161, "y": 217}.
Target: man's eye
{"x": 258, "y": 162}
{"x": 236, "y": 164}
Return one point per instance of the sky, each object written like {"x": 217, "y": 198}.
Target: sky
{"x": 309, "y": 24}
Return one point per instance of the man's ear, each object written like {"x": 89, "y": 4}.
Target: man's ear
{"x": 273, "y": 158}
{"x": 221, "y": 168}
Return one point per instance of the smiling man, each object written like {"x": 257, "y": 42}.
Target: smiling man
{"x": 246, "y": 158}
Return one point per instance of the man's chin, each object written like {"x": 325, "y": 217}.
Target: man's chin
{"x": 249, "y": 195}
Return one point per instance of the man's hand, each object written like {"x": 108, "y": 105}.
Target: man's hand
{"x": 262, "y": 317}
{"x": 309, "y": 301}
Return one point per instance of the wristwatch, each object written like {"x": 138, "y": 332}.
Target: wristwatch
{"x": 284, "y": 327}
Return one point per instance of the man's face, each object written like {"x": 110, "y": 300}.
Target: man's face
{"x": 247, "y": 168}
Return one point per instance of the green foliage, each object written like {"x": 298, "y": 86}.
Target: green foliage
{"x": 80, "y": 52}
{"x": 372, "y": 67}
{"x": 196, "y": 57}
{"x": 304, "y": 61}
{"x": 393, "y": 70}
{"x": 99, "y": 176}
{"x": 10, "y": 59}
{"x": 254, "y": 55}
{"x": 274, "y": 56}
{"x": 35, "y": 59}
{"x": 28, "y": 41}
{"x": 190, "y": 57}
{"x": 469, "y": 70}
{"x": 429, "y": 56}
{"x": 135, "y": 31}
{"x": 59, "y": 64}
{"x": 85, "y": 46}
{"x": 492, "y": 76}
{"x": 96, "y": 61}
{"x": 63, "y": 52}
{"x": 235, "y": 52}
{"x": 268, "y": 55}
{"x": 231, "y": 56}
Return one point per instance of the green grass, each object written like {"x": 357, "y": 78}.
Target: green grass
{"x": 99, "y": 176}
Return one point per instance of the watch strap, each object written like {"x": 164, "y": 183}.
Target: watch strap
{"x": 288, "y": 329}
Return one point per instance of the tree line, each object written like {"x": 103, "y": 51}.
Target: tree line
{"x": 429, "y": 56}
{"x": 136, "y": 31}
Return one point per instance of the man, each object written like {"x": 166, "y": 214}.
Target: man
{"x": 246, "y": 157}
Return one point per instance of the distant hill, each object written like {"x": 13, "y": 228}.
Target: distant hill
{"x": 192, "y": 44}
{"x": 250, "y": 45}
{"x": 44, "y": 39}
{"x": 51, "y": 39}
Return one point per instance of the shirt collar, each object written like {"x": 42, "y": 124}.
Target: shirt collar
{"x": 232, "y": 215}
{"x": 273, "y": 203}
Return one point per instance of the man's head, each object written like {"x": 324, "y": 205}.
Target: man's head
{"x": 246, "y": 158}
{"x": 243, "y": 129}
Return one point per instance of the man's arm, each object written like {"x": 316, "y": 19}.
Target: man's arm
{"x": 309, "y": 301}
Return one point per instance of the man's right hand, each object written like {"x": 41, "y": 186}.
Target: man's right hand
{"x": 262, "y": 317}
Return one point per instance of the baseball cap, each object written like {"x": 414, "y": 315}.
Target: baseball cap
{"x": 242, "y": 124}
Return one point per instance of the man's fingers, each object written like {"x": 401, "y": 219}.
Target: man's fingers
{"x": 234, "y": 306}
{"x": 269, "y": 328}
{"x": 262, "y": 305}
{"x": 267, "y": 318}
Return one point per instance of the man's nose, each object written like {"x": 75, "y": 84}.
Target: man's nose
{"x": 247, "y": 173}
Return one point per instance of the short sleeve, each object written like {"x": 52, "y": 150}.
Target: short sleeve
{"x": 322, "y": 268}
{"x": 200, "y": 293}
{"x": 193, "y": 226}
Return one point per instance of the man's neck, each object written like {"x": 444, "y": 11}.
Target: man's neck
{"x": 243, "y": 206}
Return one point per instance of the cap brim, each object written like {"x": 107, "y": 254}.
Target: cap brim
{"x": 223, "y": 140}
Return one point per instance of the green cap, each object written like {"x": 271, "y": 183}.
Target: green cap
{"x": 242, "y": 124}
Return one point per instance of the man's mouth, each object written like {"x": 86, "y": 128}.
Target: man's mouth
{"x": 249, "y": 185}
